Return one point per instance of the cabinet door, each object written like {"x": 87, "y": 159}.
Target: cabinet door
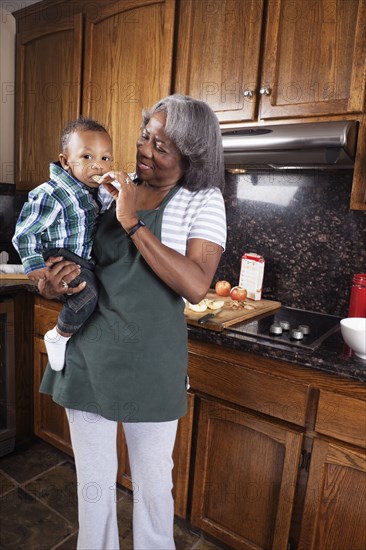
{"x": 218, "y": 55}
{"x": 48, "y": 95}
{"x": 128, "y": 61}
{"x": 245, "y": 477}
{"x": 50, "y": 422}
{"x": 314, "y": 58}
{"x": 181, "y": 459}
{"x": 335, "y": 502}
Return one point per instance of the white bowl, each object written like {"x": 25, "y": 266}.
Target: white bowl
{"x": 354, "y": 334}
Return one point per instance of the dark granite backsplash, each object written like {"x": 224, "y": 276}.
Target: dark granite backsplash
{"x": 301, "y": 222}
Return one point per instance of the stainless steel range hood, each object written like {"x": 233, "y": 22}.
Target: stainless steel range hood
{"x": 290, "y": 146}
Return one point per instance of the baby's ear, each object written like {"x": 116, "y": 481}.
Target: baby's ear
{"x": 64, "y": 161}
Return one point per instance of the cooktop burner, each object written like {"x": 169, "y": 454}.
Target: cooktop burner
{"x": 290, "y": 326}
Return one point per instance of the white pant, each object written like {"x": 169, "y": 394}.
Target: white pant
{"x": 150, "y": 446}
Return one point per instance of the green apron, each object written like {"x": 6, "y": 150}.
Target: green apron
{"x": 129, "y": 361}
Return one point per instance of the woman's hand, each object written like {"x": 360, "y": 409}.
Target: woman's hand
{"x": 60, "y": 274}
{"x": 126, "y": 197}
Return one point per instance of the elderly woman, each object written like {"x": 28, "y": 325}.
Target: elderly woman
{"x": 161, "y": 240}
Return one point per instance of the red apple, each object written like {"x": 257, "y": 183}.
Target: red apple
{"x": 238, "y": 293}
{"x": 222, "y": 288}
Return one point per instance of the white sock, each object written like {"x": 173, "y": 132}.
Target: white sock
{"x": 56, "y": 348}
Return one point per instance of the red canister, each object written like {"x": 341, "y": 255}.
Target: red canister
{"x": 357, "y": 304}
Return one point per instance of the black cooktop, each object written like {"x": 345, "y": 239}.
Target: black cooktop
{"x": 315, "y": 327}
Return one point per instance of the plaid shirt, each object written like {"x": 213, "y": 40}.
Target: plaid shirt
{"x": 60, "y": 213}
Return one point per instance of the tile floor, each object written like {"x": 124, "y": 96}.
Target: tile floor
{"x": 38, "y": 504}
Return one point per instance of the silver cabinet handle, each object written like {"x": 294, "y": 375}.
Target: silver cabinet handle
{"x": 265, "y": 91}
{"x": 248, "y": 93}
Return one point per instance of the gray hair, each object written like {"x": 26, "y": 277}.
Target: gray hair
{"x": 194, "y": 129}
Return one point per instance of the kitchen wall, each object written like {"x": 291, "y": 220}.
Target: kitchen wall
{"x": 7, "y": 78}
{"x": 301, "y": 223}
{"x": 9, "y": 204}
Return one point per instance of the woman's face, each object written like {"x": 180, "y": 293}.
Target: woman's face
{"x": 158, "y": 161}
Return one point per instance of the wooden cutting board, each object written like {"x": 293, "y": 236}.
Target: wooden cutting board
{"x": 228, "y": 316}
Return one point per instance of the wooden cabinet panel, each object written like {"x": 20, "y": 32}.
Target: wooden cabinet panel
{"x": 48, "y": 94}
{"x": 358, "y": 194}
{"x": 335, "y": 503}
{"x": 181, "y": 459}
{"x": 127, "y": 67}
{"x": 342, "y": 417}
{"x": 253, "y": 61}
{"x": 245, "y": 476}
{"x": 314, "y": 58}
{"x": 218, "y": 55}
{"x": 45, "y": 315}
{"x": 23, "y": 338}
{"x": 50, "y": 422}
{"x": 276, "y": 397}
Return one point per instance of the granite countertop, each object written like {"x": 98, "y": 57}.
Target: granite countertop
{"x": 9, "y": 286}
{"x": 331, "y": 356}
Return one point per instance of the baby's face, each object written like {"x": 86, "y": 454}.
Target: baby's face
{"x": 88, "y": 154}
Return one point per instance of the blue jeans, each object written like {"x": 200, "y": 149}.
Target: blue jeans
{"x": 77, "y": 307}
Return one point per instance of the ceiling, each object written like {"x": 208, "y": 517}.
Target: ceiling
{"x": 15, "y": 5}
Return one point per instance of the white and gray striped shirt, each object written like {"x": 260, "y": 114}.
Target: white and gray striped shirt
{"x": 189, "y": 215}
{"x": 194, "y": 215}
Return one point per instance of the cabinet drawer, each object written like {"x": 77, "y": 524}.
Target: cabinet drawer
{"x": 45, "y": 317}
{"x": 342, "y": 417}
{"x": 270, "y": 395}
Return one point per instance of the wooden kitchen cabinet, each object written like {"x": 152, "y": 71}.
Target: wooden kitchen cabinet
{"x": 252, "y": 421}
{"x": 245, "y": 477}
{"x": 251, "y": 60}
{"x": 335, "y": 503}
{"x": 48, "y": 76}
{"x": 255, "y": 61}
{"x": 279, "y": 59}
{"x": 99, "y": 59}
{"x": 280, "y": 455}
{"x": 314, "y": 60}
{"x": 335, "y": 500}
{"x": 50, "y": 422}
{"x": 218, "y": 53}
{"x": 127, "y": 67}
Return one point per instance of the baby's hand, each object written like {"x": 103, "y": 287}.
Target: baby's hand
{"x": 38, "y": 274}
